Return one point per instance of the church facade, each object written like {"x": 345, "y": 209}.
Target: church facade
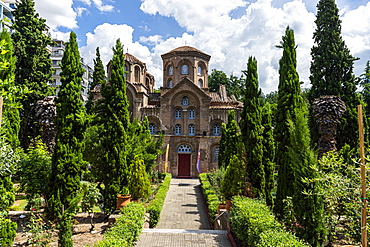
{"x": 184, "y": 111}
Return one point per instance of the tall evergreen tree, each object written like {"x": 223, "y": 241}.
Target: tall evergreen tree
{"x": 33, "y": 66}
{"x": 268, "y": 144}
{"x": 98, "y": 78}
{"x": 365, "y": 83}
{"x": 7, "y": 76}
{"x": 308, "y": 205}
{"x": 113, "y": 115}
{"x": 288, "y": 100}
{"x": 332, "y": 71}
{"x": 229, "y": 140}
{"x": 70, "y": 126}
{"x": 251, "y": 129}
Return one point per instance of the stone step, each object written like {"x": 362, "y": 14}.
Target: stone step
{"x": 155, "y": 230}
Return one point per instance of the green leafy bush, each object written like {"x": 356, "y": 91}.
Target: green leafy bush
{"x": 250, "y": 218}
{"x": 126, "y": 230}
{"x": 279, "y": 238}
{"x": 139, "y": 184}
{"x": 7, "y": 231}
{"x": 215, "y": 178}
{"x": 34, "y": 172}
{"x": 155, "y": 207}
{"x": 212, "y": 199}
{"x": 8, "y": 160}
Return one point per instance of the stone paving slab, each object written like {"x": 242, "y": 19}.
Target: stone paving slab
{"x": 184, "y": 207}
{"x": 183, "y": 221}
{"x": 156, "y": 239}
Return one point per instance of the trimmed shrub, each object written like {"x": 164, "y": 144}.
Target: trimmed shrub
{"x": 155, "y": 207}
{"x": 126, "y": 230}
{"x": 209, "y": 194}
{"x": 279, "y": 238}
{"x": 250, "y": 218}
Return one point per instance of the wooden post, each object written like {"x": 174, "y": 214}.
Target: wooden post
{"x": 1, "y": 109}
{"x": 363, "y": 179}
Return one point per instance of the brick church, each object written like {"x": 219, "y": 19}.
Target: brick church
{"x": 185, "y": 111}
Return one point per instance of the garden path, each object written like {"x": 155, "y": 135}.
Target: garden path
{"x": 184, "y": 220}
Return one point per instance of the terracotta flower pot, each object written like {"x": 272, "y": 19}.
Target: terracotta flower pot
{"x": 122, "y": 200}
{"x": 228, "y": 204}
{"x": 221, "y": 206}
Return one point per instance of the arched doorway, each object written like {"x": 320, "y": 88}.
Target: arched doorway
{"x": 184, "y": 161}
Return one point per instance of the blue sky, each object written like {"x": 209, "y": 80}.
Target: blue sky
{"x": 230, "y": 31}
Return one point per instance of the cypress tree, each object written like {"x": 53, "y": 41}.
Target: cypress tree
{"x": 67, "y": 157}
{"x": 98, "y": 78}
{"x": 11, "y": 112}
{"x": 229, "y": 140}
{"x": 113, "y": 115}
{"x": 365, "y": 83}
{"x": 33, "y": 66}
{"x": 268, "y": 144}
{"x": 288, "y": 100}
{"x": 308, "y": 206}
{"x": 251, "y": 130}
{"x": 332, "y": 71}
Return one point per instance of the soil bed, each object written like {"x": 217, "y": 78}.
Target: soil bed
{"x": 81, "y": 229}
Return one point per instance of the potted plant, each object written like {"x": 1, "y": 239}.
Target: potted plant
{"x": 123, "y": 198}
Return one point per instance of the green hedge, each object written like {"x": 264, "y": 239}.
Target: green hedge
{"x": 127, "y": 228}
{"x": 209, "y": 194}
{"x": 254, "y": 224}
{"x": 279, "y": 238}
{"x": 155, "y": 207}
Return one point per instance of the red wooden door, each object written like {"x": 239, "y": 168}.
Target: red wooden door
{"x": 184, "y": 165}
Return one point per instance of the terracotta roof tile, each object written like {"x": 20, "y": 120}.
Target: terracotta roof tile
{"x": 184, "y": 49}
{"x": 132, "y": 59}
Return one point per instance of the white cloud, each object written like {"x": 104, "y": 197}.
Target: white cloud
{"x": 57, "y": 13}
{"x": 105, "y": 37}
{"x": 87, "y": 2}
{"x": 231, "y": 41}
{"x": 151, "y": 40}
{"x": 80, "y": 11}
{"x": 103, "y": 8}
{"x": 205, "y": 12}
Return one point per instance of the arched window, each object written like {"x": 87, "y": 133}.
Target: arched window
{"x": 170, "y": 83}
{"x": 215, "y": 154}
{"x": 184, "y": 149}
{"x": 177, "y": 129}
{"x": 152, "y": 128}
{"x": 137, "y": 74}
{"x": 200, "y": 83}
{"x": 170, "y": 70}
{"x": 191, "y": 129}
{"x": 191, "y": 113}
{"x": 216, "y": 130}
{"x": 184, "y": 69}
{"x": 199, "y": 70}
{"x": 185, "y": 100}
{"x": 178, "y": 113}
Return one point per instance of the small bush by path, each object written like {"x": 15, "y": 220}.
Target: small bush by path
{"x": 209, "y": 194}
{"x": 155, "y": 206}
{"x": 254, "y": 225}
{"x": 127, "y": 228}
